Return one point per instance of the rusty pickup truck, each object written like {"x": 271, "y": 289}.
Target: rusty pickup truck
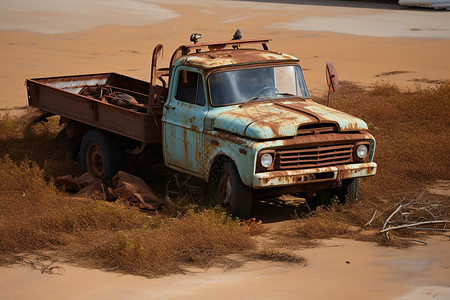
{"x": 233, "y": 114}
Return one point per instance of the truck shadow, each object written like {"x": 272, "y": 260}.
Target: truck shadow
{"x": 271, "y": 210}
{"x": 279, "y": 209}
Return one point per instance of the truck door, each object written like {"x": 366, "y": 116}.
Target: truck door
{"x": 183, "y": 117}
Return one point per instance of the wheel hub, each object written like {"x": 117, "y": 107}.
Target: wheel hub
{"x": 95, "y": 161}
{"x": 224, "y": 190}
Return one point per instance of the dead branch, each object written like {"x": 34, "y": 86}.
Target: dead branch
{"x": 414, "y": 224}
{"x": 389, "y": 218}
{"x": 45, "y": 268}
{"x": 413, "y": 215}
{"x": 373, "y": 217}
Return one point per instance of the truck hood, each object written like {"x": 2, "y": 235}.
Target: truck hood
{"x": 269, "y": 120}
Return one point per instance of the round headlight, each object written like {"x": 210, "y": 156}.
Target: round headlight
{"x": 361, "y": 151}
{"x": 266, "y": 160}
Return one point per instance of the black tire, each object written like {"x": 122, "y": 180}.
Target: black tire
{"x": 101, "y": 154}
{"x": 232, "y": 193}
{"x": 320, "y": 198}
{"x": 349, "y": 191}
{"x": 72, "y": 145}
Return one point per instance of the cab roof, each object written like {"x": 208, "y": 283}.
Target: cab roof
{"x": 232, "y": 57}
{"x": 227, "y": 53}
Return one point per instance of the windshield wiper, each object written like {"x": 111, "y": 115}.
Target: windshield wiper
{"x": 248, "y": 101}
{"x": 295, "y": 96}
{"x": 278, "y": 94}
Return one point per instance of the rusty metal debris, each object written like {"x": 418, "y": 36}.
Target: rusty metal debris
{"x": 112, "y": 95}
{"x": 417, "y": 214}
{"x": 124, "y": 186}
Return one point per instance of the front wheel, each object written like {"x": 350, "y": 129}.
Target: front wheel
{"x": 349, "y": 191}
{"x": 101, "y": 154}
{"x": 232, "y": 193}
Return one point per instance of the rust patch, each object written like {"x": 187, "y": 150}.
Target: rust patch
{"x": 185, "y": 144}
{"x": 231, "y": 137}
{"x": 242, "y": 151}
{"x": 224, "y": 58}
{"x": 300, "y": 108}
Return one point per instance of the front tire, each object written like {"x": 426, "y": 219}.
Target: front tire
{"x": 349, "y": 191}
{"x": 232, "y": 193}
{"x": 101, "y": 154}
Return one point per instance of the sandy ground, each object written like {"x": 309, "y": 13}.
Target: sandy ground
{"x": 340, "y": 269}
{"x": 367, "y": 42}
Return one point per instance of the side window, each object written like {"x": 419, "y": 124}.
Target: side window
{"x": 190, "y": 88}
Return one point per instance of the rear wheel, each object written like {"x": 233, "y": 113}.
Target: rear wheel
{"x": 232, "y": 193}
{"x": 101, "y": 154}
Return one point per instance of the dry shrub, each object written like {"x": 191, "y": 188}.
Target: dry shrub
{"x": 194, "y": 239}
{"x": 24, "y": 140}
{"x": 321, "y": 225}
{"x": 352, "y": 221}
{"x": 411, "y": 130}
{"x": 27, "y": 177}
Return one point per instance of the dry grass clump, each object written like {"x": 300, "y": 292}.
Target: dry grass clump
{"x": 22, "y": 139}
{"x": 319, "y": 228}
{"x": 194, "y": 239}
{"x": 321, "y": 224}
{"x": 277, "y": 255}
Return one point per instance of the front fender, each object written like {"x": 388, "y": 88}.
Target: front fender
{"x": 238, "y": 149}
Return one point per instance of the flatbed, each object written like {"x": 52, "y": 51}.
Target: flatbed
{"x": 60, "y": 96}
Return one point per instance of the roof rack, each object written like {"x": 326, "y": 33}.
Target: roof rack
{"x": 186, "y": 49}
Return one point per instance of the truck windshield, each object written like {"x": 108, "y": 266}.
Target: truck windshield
{"x": 239, "y": 86}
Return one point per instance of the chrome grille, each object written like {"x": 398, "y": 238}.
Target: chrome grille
{"x": 313, "y": 157}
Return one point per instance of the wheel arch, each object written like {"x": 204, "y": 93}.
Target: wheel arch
{"x": 220, "y": 155}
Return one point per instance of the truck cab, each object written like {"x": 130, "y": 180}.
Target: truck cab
{"x": 242, "y": 119}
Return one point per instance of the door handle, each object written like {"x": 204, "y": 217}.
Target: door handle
{"x": 169, "y": 106}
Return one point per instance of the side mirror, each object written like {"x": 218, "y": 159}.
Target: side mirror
{"x": 332, "y": 79}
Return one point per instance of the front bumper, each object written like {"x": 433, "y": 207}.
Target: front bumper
{"x": 294, "y": 177}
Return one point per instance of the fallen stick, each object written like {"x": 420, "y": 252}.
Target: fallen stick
{"x": 414, "y": 224}
{"x": 423, "y": 242}
{"x": 435, "y": 229}
{"x": 387, "y": 220}
{"x": 368, "y": 223}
